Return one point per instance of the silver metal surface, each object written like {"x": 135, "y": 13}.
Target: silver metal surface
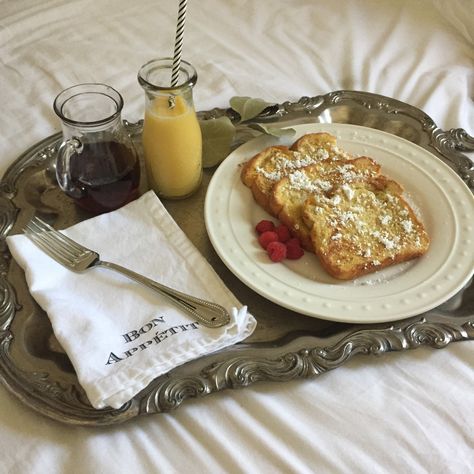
{"x": 285, "y": 345}
{"x": 78, "y": 258}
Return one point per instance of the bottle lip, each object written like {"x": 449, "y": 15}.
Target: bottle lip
{"x": 73, "y": 93}
{"x": 151, "y": 75}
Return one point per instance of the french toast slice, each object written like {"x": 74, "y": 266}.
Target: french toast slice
{"x": 321, "y": 145}
{"x": 364, "y": 230}
{"x": 290, "y": 193}
{"x": 261, "y": 172}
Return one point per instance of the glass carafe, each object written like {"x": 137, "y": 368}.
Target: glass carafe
{"x": 172, "y": 142}
{"x": 97, "y": 164}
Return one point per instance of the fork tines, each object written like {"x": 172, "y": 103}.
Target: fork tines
{"x": 54, "y": 243}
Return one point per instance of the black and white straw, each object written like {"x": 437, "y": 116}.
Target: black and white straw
{"x": 178, "y": 44}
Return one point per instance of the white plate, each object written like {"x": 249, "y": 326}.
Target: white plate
{"x": 442, "y": 200}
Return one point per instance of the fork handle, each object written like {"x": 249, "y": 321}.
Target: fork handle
{"x": 209, "y": 314}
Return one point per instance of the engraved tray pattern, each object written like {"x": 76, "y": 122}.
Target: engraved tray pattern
{"x": 284, "y": 346}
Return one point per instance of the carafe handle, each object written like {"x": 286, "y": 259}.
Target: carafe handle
{"x": 67, "y": 148}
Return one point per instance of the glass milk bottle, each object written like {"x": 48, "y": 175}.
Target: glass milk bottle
{"x": 172, "y": 140}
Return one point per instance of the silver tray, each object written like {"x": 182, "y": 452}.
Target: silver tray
{"x": 284, "y": 346}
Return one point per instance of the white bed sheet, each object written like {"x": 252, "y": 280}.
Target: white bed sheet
{"x": 401, "y": 412}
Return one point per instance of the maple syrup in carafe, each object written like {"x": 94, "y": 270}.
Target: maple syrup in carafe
{"x": 106, "y": 175}
{"x": 96, "y": 165}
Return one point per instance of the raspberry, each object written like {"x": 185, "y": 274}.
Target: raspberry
{"x": 276, "y": 251}
{"x": 293, "y": 249}
{"x": 264, "y": 226}
{"x": 267, "y": 237}
{"x": 294, "y": 241}
{"x": 294, "y": 253}
{"x": 283, "y": 233}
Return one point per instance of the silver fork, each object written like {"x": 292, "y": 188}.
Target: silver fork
{"x": 77, "y": 258}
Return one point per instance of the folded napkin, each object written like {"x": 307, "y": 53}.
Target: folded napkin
{"x": 118, "y": 334}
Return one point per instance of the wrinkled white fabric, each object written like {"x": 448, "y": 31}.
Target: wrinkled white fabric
{"x": 118, "y": 334}
{"x": 401, "y": 412}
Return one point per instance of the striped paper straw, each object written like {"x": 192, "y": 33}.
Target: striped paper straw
{"x": 178, "y": 43}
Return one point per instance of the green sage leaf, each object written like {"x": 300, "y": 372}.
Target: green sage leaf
{"x": 217, "y": 137}
{"x": 247, "y": 107}
{"x": 274, "y": 131}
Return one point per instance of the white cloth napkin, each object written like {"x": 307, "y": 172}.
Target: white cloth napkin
{"x": 120, "y": 335}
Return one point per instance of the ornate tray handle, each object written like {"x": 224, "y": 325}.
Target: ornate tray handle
{"x": 447, "y": 144}
{"x": 240, "y": 370}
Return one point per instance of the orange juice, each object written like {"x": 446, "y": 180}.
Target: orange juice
{"x": 173, "y": 147}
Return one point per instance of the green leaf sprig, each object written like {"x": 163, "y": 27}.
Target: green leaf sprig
{"x": 217, "y": 137}
{"x": 247, "y": 107}
{"x": 218, "y": 134}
